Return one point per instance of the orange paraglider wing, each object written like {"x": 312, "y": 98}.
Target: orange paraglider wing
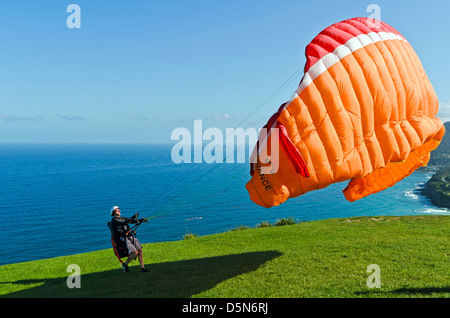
{"x": 364, "y": 111}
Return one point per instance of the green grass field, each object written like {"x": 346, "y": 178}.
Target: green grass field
{"x": 327, "y": 258}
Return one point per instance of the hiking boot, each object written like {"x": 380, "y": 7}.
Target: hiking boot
{"x": 144, "y": 270}
{"x": 125, "y": 267}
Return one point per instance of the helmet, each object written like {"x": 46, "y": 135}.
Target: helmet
{"x": 113, "y": 209}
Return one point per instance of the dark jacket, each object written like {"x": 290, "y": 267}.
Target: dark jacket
{"x": 120, "y": 227}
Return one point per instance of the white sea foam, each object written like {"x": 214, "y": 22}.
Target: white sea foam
{"x": 434, "y": 210}
{"x": 411, "y": 194}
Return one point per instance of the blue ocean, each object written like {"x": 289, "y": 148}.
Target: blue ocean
{"x": 55, "y": 199}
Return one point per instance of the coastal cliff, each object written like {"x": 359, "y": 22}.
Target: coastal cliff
{"x": 437, "y": 189}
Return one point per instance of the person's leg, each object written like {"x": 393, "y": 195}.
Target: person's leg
{"x": 141, "y": 258}
{"x": 132, "y": 253}
{"x": 138, "y": 246}
{"x": 131, "y": 257}
{"x": 141, "y": 261}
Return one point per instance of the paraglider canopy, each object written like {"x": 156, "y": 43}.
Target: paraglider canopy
{"x": 364, "y": 111}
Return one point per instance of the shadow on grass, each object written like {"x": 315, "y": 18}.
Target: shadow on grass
{"x": 171, "y": 279}
{"x": 425, "y": 291}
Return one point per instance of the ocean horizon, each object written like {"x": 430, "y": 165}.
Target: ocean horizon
{"x": 56, "y": 197}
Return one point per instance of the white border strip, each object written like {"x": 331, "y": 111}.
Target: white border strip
{"x": 340, "y": 52}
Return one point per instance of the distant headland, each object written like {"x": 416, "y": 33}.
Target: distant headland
{"x": 437, "y": 189}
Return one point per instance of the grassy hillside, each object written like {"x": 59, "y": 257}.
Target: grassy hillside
{"x": 327, "y": 258}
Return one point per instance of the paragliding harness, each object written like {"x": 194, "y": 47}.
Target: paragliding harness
{"x": 119, "y": 245}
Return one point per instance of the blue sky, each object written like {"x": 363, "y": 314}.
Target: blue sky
{"x": 136, "y": 70}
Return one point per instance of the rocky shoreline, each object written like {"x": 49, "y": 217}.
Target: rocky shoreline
{"x": 437, "y": 189}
